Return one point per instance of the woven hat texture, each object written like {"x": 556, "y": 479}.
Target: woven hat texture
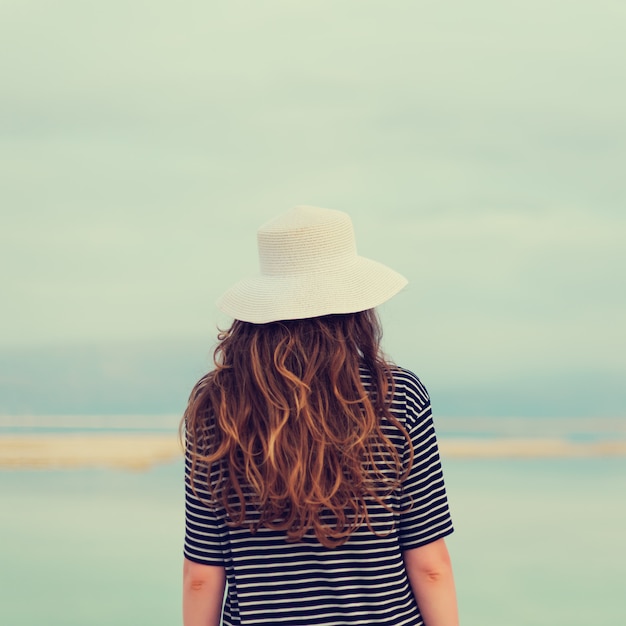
{"x": 309, "y": 267}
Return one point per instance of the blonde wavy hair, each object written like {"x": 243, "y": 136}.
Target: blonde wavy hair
{"x": 284, "y": 427}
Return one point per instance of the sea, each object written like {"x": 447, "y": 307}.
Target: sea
{"x": 537, "y": 541}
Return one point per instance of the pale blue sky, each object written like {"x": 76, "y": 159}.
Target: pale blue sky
{"x": 479, "y": 147}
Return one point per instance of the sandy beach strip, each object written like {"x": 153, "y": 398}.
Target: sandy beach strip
{"x": 142, "y": 451}
{"x": 530, "y": 448}
{"x": 126, "y": 451}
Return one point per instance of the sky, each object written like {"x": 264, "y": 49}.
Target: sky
{"x": 479, "y": 148}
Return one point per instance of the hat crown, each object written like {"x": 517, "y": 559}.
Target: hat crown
{"x": 306, "y": 240}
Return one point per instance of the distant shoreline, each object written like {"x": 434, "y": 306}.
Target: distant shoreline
{"x": 64, "y": 451}
{"x": 143, "y": 451}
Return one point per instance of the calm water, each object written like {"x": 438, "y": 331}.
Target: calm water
{"x": 537, "y": 543}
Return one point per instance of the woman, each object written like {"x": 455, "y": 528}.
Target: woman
{"x": 313, "y": 482}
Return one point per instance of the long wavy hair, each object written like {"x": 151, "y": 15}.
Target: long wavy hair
{"x": 284, "y": 427}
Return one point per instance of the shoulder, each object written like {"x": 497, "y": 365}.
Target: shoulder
{"x": 407, "y": 382}
{"x": 410, "y": 393}
{"x": 198, "y": 423}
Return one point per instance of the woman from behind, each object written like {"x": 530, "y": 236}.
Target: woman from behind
{"x": 314, "y": 490}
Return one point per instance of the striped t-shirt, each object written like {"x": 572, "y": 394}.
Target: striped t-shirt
{"x": 363, "y": 581}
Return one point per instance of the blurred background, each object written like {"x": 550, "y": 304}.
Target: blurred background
{"x": 480, "y": 149}
{"x": 478, "y": 146}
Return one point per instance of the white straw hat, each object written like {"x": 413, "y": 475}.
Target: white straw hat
{"x": 309, "y": 267}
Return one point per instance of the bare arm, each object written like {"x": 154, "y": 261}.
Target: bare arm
{"x": 203, "y": 593}
{"x": 430, "y": 574}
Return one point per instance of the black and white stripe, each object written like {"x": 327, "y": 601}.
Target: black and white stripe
{"x": 272, "y": 581}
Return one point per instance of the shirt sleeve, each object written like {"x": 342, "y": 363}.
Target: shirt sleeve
{"x": 424, "y": 516}
{"x": 205, "y": 533}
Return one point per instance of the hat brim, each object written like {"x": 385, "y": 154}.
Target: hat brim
{"x": 261, "y": 299}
